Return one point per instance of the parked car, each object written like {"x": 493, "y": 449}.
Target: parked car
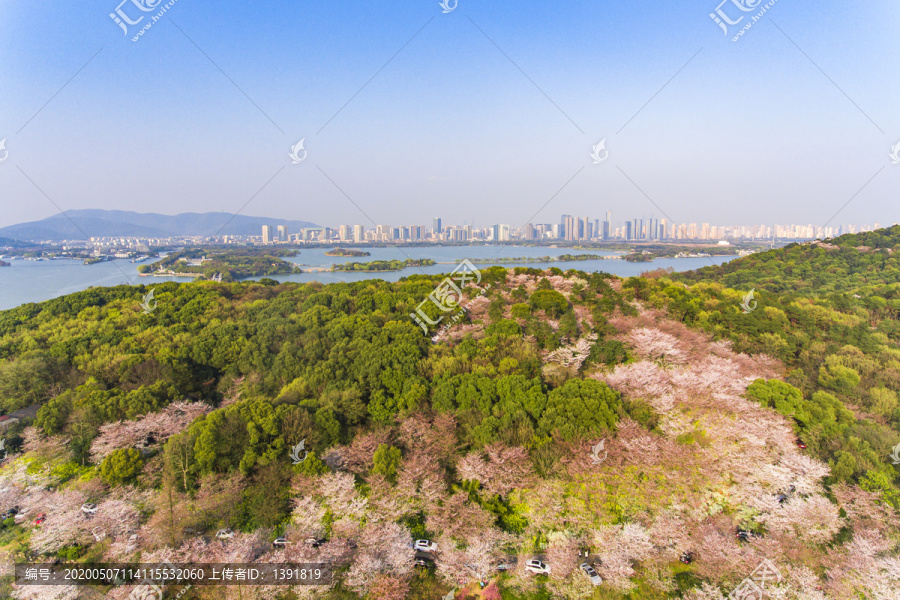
{"x": 744, "y": 535}
{"x": 224, "y": 534}
{"x": 537, "y": 567}
{"x": 315, "y": 542}
{"x": 592, "y": 574}
{"x": 425, "y": 546}
{"x": 423, "y": 562}
{"x": 506, "y": 566}
{"x": 40, "y": 519}
{"x": 800, "y": 444}
{"x": 21, "y": 514}
{"x": 10, "y": 513}
{"x": 280, "y": 542}
{"x": 687, "y": 558}
{"x": 89, "y": 508}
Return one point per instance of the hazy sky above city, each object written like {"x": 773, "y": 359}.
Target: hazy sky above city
{"x": 484, "y": 114}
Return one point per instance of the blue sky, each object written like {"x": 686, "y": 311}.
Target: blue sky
{"x": 746, "y": 132}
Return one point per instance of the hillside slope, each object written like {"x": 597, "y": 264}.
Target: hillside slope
{"x": 486, "y": 440}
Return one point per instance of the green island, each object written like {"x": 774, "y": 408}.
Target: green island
{"x": 638, "y": 257}
{"x": 347, "y": 252}
{"x": 383, "y": 265}
{"x": 231, "y": 264}
{"x": 541, "y": 259}
{"x": 671, "y": 429}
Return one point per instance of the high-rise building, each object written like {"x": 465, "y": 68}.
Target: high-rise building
{"x": 344, "y": 233}
{"x": 604, "y": 235}
{"x": 266, "y": 234}
{"x": 282, "y": 233}
{"x": 437, "y": 226}
{"x": 567, "y": 229}
{"x": 629, "y": 233}
{"x": 359, "y": 233}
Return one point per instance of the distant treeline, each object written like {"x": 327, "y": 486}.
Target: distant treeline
{"x": 384, "y": 265}
{"x": 539, "y": 259}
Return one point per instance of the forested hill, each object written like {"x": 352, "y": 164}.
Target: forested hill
{"x": 563, "y": 413}
{"x": 843, "y": 264}
{"x": 830, "y": 311}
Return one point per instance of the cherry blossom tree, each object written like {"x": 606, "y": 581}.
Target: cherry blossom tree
{"x": 385, "y": 550}
{"x": 814, "y": 519}
{"x": 619, "y": 546}
{"x": 388, "y": 587}
{"x": 421, "y": 483}
{"x": 385, "y": 500}
{"x": 307, "y": 518}
{"x": 459, "y": 518}
{"x": 574, "y": 355}
{"x": 656, "y": 345}
{"x": 475, "y": 558}
{"x": 340, "y": 495}
{"x": 562, "y": 554}
{"x": 159, "y": 426}
{"x": 357, "y": 457}
{"x": 499, "y": 469}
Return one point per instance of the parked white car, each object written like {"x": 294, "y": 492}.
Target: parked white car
{"x": 280, "y": 542}
{"x": 89, "y": 508}
{"x": 425, "y": 546}
{"x": 537, "y": 567}
{"x": 224, "y": 534}
{"x": 592, "y": 574}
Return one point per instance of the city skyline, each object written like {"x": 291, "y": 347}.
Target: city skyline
{"x": 583, "y": 229}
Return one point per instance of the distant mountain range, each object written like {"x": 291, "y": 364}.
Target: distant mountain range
{"x": 120, "y": 223}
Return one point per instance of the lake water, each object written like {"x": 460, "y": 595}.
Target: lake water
{"x": 36, "y": 281}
